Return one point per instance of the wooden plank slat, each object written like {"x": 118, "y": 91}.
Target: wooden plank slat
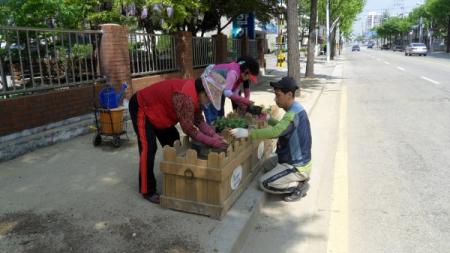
{"x": 204, "y": 186}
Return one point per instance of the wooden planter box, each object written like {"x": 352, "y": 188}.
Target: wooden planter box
{"x": 209, "y": 187}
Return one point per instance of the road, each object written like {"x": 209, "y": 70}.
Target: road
{"x": 381, "y": 144}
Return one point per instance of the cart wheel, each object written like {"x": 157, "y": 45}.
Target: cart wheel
{"x": 97, "y": 140}
{"x": 116, "y": 141}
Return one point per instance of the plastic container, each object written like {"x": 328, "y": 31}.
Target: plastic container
{"x": 111, "y": 121}
{"x": 109, "y": 99}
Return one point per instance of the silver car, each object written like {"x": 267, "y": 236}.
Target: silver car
{"x": 416, "y": 48}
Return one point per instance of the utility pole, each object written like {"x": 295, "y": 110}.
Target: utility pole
{"x": 328, "y": 31}
{"x": 293, "y": 49}
{"x": 420, "y": 29}
{"x": 430, "y": 36}
{"x": 317, "y": 27}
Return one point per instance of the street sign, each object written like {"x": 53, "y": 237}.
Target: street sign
{"x": 242, "y": 19}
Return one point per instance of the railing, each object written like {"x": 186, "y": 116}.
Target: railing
{"x": 203, "y": 50}
{"x": 252, "y": 48}
{"x": 151, "y": 53}
{"x": 33, "y": 59}
{"x": 234, "y": 49}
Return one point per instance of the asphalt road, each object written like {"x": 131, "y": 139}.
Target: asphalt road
{"x": 381, "y": 142}
{"x": 398, "y": 152}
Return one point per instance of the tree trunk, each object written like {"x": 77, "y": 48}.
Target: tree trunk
{"x": 293, "y": 50}
{"x": 333, "y": 44}
{"x": 311, "y": 41}
{"x": 448, "y": 34}
{"x": 302, "y": 37}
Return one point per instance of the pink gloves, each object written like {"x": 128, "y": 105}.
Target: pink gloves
{"x": 240, "y": 100}
{"x": 215, "y": 142}
{"x": 206, "y": 129}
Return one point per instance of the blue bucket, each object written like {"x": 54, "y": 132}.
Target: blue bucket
{"x": 108, "y": 97}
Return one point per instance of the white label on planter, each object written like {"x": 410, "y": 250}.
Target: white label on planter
{"x": 236, "y": 177}
{"x": 260, "y": 150}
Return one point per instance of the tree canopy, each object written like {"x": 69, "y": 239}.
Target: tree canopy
{"x": 435, "y": 16}
{"x": 152, "y": 15}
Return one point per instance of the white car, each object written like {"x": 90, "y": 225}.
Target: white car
{"x": 416, "y": 48}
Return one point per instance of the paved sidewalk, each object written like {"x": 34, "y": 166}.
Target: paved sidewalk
{"x": 439, "y": 54}
{"x": 288, "y": 227}
{"x": 72, "y": 197}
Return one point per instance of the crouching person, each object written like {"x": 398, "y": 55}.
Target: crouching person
{"x": 288, "y": 172}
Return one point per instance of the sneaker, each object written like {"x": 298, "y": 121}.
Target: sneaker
{"x": 298, "y": 193}
{"x": 153, "y": 197}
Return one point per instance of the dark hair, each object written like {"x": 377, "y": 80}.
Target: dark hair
{"x": 248, "y": 62}
{"x": 199, "y": 85}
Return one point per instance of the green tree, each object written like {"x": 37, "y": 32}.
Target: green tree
{"x": 342, "y": 16}
{"x": 394, "y": 29}
{"x": 439, "y": 11}
{"x": 152, "y": 15}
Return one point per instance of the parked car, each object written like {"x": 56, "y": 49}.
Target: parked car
{"x": 416, "y": 48}
{"x": 398, "y": 48}
{"x": 386, "y": 46}
{"x": 355, "y": 48}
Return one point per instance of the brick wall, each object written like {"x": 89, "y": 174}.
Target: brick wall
{"x": 40, "y": 109}
{"x": 142, "y": 82}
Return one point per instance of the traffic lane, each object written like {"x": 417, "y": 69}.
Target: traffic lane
{"x": 431, "y": 57}
{"x": 397, "y": 157}
{"x": 436, "y": 72}
{"x": 420, "y": 61}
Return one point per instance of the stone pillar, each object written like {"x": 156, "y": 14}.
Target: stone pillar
{"x": 185, "y": 58}
{"x": 244, "y": 47}
{"x": 114, "y": 56}
{"x": 221, "y": 48}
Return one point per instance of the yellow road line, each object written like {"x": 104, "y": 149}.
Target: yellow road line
{"x": 338, "y": 228}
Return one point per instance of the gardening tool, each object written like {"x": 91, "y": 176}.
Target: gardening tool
{"x": 109, "y": 99}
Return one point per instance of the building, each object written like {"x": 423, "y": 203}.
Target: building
{"x": 373, "y": 19}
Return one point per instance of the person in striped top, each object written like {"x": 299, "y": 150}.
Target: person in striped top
{"x": 243, "y": 71}
{"x": 288, "y": 172}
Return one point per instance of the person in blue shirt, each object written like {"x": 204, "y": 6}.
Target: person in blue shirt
{"x": 288, "y": 172}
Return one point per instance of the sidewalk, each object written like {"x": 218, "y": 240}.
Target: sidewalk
{"x": 439, "y": 54}
{"x": 72, "y": 197}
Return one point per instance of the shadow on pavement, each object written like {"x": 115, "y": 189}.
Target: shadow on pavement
{"x": 276, "y": 220}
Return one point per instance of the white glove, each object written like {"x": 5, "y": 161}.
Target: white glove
{"x": 239, "y": 132}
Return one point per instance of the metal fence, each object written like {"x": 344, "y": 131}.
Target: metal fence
{"x": 252, "y": 48}
{"x": 203, "y": 50}
{"x": 152, "y": 53}
{"x": 234, "y": 49}
{"x": 33, "y": 59}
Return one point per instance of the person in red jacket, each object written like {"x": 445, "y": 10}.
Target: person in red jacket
{"x": 155, "y": 110}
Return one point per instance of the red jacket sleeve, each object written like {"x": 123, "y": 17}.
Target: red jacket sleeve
{"x": 185, "y": 110}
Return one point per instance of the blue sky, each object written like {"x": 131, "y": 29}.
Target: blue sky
{"x": 393, "y": 6}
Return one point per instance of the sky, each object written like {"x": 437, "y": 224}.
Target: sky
{"x": 393, "y": 6}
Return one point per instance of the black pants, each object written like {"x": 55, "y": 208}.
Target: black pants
{"x": 233, "y": 104}
{"x": 146, "y": 135}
